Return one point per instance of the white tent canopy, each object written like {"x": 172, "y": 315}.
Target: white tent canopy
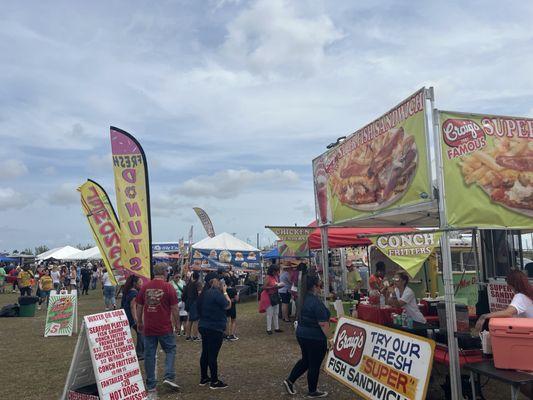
{"x": 59, "y": 253}
{"x": 89, "y": 254}
{"x": 223, "y": 241}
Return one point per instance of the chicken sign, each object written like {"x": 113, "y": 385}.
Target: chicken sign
{"x": 380, "y": 363}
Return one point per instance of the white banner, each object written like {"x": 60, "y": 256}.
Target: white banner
{"x": 380, "y": 363}
{"x": 500, "y": 295}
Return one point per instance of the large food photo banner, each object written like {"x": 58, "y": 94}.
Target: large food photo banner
{"x": 379, "y": 168}
{"x": 488, "y": 170}
{"x": 380, "y": 363}
{"x": 215, "y": 259}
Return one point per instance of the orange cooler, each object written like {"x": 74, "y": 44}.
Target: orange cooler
{"x": 512, "y": 343}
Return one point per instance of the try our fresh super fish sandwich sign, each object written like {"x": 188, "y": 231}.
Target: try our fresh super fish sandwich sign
{"x": 380, "y": 363}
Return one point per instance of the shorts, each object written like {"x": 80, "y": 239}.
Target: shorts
{"x": 193, "y": 312}
{"x": 232, "y": 312}
{"x": 285, "y": 298}
{"x": 183, "y": 318}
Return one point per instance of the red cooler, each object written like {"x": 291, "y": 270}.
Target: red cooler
{"x": 512, "y": 342}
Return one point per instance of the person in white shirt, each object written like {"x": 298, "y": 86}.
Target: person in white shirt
{"x": 522, "y": 303}
{"x": 56, "y": 278}
{"x": 109, "y": 291}
{"x": 404, "y": 297}
{"x": 521, "y": 307}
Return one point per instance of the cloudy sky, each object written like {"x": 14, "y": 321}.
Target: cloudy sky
{"x": 231, "y": 100}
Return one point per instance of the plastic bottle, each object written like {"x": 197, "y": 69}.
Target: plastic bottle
{"x": 382, "y": 301}
{"x": 404, "y": 319}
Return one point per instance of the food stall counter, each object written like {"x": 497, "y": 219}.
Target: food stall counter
{"x": 376, "y": 314}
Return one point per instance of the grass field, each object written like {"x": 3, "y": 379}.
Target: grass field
{"x": 35, "y": 368}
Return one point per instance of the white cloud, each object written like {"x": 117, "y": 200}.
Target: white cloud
{"x": 49, "y": 171}
{"x": 12, "y": 168}
{"x": 65, "y": 195}
{"x": 230, "y": 183}
{"x": 271, "y": 37}
{"x": 11, "y": 199}
{"x": 97, "y": 162}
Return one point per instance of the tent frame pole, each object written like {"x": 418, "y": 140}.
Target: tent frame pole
{"x": 447, "y": 274}
{"x": 325, "y": 261}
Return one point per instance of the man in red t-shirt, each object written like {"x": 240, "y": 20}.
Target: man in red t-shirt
{"x": 156, "y": 316}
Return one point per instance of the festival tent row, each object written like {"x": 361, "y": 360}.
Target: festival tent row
{"x": 58, "y": 253}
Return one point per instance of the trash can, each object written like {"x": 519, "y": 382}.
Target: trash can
{"x": 27, "y": 306}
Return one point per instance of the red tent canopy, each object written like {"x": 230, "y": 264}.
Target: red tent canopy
{"x": 348, "y": 237}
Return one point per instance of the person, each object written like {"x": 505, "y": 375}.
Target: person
{"x": 85, "y": 279}
{"x": 353, "y": 280}
{"x": 94, "y": 277}
{"x": 312, "y": 335}
{"x": 24, "y": 281}
{"x": 522, "y": 303}
{"x": 156, "y": 315}
{"x": 46, "y": 285}
{"x": 3, "y": 275}
{"x": 375, "y": 282}
{"x": 285, "y": 293}
{"x": 231, "y": 282}
{"x": 213, "y": 303}
{"x": 178, "y": 284}
{"x": 109, "y": 291}
{"x": 130, "y": 290}
{"x": 192, "y": 290}
{"x": 403, "y": 296}
{"x": 56, "y": 278}
{"x": 13, "y": 274}
{"x": 73, "y": 277}
{"x": 271, "y": 287}
{"x": 521, "y": 307}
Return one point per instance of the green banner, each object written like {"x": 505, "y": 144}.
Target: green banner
{"x": 382, "y": 167}
{"x": 294, "y": 240}
{"x": 408, "y": 250}
{"x": 488, "y": 170}
{"x": 60, "y": 315}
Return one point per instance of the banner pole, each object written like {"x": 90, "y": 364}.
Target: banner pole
{"x": 325, "y": 261}
{"x": 449, "y": 298}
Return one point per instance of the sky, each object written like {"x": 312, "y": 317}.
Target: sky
{"x": 231, "y": 100}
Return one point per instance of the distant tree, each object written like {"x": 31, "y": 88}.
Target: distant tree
{"x": 41, "y": 249}
{"x": 27, "y": 251}
{"x": 15, "y": 251}
{"x": 84, "y": 246}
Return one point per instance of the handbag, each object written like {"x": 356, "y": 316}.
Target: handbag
{"x": 274, "y": 299}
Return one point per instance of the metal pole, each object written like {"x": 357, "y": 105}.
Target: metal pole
{"x": 451, "y": 320}
{"x": 325, "y": 261}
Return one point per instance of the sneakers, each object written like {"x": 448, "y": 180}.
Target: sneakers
{"x": 218, "y": 385}
{"x": 269, "y": 332}
{"x": 289, "y": 387}
{"x": 232, "y": 338}
{"x": 196, "y": 339}
{"x": 204, "y": 381}
{"x": 152, "y": 394}
{"x": 188, "y": 338}
{"x": 171, "y": 384}
{"x": 316, "y": 394}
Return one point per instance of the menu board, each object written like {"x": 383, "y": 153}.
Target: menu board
{"x": 380, "y": 363}
{"x": 113, "y": 355}
{"x": 61, "y": 314}
{"x": 488, "y": 170}
{"x": 380, "y": 168}
{"x": 500, "y": 295}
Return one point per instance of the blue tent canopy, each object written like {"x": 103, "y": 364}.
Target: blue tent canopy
{"x": 7, "y": 259}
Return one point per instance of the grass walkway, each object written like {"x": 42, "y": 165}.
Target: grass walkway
{"x": 35, "y": 368}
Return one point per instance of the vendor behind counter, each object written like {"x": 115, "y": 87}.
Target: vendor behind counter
{"x": 403, "y": 296}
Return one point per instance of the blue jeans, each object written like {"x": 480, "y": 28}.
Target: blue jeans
{"x": 109, "y": 296}
{"x": 168, "y": 344}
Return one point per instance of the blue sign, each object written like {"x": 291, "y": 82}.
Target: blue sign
{"x": 165, "y": 247}
{"x": 222, "y": 258}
